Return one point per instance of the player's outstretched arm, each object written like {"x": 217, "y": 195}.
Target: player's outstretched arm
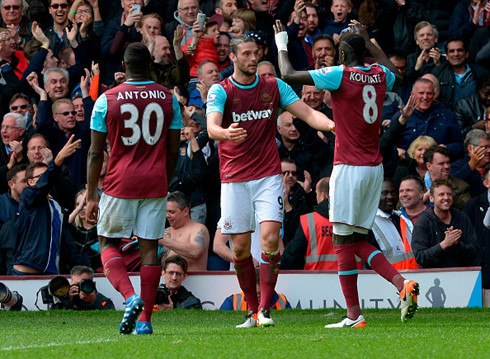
{"x": 288, "y": 73}
{"x": 94, "y": 165}
{"x": 312, "y": 117}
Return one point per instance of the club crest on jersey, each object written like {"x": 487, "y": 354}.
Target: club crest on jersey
{"x": 251, "y": 115}
{"x": 227, "y": 225}
{"x": 266, "y": 97}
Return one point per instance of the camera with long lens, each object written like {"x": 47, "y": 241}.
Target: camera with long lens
{"x": 57, "y": 288}
{"x": 162, "y": 296}
{"x": 10, "y": 300}
{"x": 86, "y": 286}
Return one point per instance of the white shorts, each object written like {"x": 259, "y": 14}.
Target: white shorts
{"x": 241, "y": 202}
{"x": 123, "y": 217}
{"x": 354, "y": 194}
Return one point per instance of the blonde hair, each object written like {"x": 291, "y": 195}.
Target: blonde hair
{"x": 421, "y": 140}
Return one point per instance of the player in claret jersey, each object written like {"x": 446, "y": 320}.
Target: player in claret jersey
{"x": 142, "y": 122}
{"x": 358, "y": 92}
{"x": 241, "y": 114}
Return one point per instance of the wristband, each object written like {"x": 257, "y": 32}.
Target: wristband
{"x": 73, "y": 12}
{"x": 282, "y": 41}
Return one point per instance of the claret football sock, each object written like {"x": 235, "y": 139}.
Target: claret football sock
{"x": 245, "y": 272}
{"x": 376, "y": 260}
{"x": 348, "y": 276}
{"x": 115, "y": 271}
{"x": 150, "y": 277}
{"x": 269, "y": 270}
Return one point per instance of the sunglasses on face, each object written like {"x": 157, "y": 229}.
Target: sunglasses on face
{"x": 22, "y": 107}
{"x": 66, "y": 113}
{"x": 11, "y": 7}
{"x": 56, "y": 6}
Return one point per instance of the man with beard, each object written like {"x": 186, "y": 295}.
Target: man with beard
{"x": 170, "y": 71}
{"x": 241, "y": 115}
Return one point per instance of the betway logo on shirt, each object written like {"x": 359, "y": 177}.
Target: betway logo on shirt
{"x": 251, "y": 115}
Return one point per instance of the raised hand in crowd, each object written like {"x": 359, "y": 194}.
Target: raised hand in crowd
{"x": 13, "y": 31}
{"x": 306, "y": 184}
{"x": 299, "y": 7}
{"x": 39, "y": 35}
{"x": 427, "y": 54}
{"x": 133, "y": 19}
{"x": 95, "y": 68}
{"x": 407, "y": 111}
{"x": 68, "y": 149}
{"x": 203, "y": 90}
{"x": 180, "y": 98}
{"x": 78, "y": 208}
{"x": 16, "y": 156}
{"x": 33, "y": 81}
{"x": 47, "y": 155}
{"x": 119, "y": 77}
{"x": 71, "y": 33}
{"x": 85, "y": 83}
{"x": 148, "y": 40}
{"x": 178, "y": 37}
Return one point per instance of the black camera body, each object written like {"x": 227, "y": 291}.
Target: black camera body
{"x": 86, "y": 286}
{"x": 10, "y": 300}
{"x": 162, "y": 296}
{"x": 58, "y": 287}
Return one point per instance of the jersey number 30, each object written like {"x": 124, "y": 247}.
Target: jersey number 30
{"x": 132, "y": 123}
{"x": 370, "y": 110}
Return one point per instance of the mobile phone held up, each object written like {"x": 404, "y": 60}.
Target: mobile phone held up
{"x": 201, "y": 19}
{"x": 135, "y": 9}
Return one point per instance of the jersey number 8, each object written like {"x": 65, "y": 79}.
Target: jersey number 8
{"x": 370, "y": 110}
{"x": 132, "y": 123}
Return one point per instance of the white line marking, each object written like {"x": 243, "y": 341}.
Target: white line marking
{"x": 47, "y": 345}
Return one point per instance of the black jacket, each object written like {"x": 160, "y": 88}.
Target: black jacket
{"x": 183, "y": 299}
{"x": 447, "y": 82}
{"x": 468, "y": 111}
{"x": 294, "y": 253}
{"x": 475, "y": 209}
{"x": 429, "y": 232}
{"x": 34, "y": 229}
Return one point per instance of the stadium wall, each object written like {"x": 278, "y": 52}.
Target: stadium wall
{"x": 455, "y": 287}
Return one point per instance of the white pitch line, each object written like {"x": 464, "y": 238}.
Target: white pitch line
{"x": 57, "y": 344}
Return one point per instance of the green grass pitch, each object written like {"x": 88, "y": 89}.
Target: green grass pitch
{"x": 433, "y": 333}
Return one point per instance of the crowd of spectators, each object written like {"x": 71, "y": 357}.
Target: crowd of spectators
{"x": 58, "y": 56}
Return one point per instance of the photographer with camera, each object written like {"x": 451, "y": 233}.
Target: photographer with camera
{"x": 172, "y": 295}
{"x": 83, "y": 294}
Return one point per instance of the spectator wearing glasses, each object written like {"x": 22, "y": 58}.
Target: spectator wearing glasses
{"x": 63, "y": 125}
{"x": 12, "y": 11}
{"x": 186, "y": 16}
{"x": 57, "y": 33}
{"x": 174, "y": 271}
{"x": 21, "y": 104}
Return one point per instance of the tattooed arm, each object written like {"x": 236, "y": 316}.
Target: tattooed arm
{"x": 193, "y": 248}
